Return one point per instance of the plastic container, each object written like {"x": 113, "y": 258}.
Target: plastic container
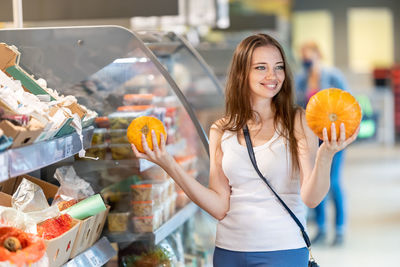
{"x": 148, "y": 190}
{"x": 118, "y": 221}
{"x": 118, "y": 136}
{"x": 172, "y": 204}
{"x": 143, "y": 208}
{"x": 121, "y": 120}
{"x": 102, "y": 122}
{"x": 137, "y": 108}
{"x": 138, "y": 99}
{"x": 99, "y": 151}
{"x": 166, "y": 211}
{"x": 99, "y": 136}
{"x": 171, "y": 187}
{"x": 187, "y": 162}
{"x": 121, "y": 151}
{"x": 146, "y": 224}
{"x": 155, "y": 173}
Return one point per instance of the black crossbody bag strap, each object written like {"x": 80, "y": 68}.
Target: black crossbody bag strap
{"x": 254, "y": 162}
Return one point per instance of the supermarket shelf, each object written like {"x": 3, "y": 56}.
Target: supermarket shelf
{"x": 162, "y": 232}
{"x": 21, "y": 160}
{"x": 95, "y": 256}
{"x": 140, "y": 164}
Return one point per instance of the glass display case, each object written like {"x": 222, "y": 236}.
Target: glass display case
{"x": 191, "y": 73}
{"x": 116, "y": 73}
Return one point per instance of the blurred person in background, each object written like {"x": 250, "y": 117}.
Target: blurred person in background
{"x": 313, "y": 77}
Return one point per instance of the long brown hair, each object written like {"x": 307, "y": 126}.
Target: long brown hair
{"x": 238, "y": 108}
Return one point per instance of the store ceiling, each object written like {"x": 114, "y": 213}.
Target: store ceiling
{"x": 41, "y": 10}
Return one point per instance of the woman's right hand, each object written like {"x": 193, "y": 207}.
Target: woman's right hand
{"x": 158, "y": 155}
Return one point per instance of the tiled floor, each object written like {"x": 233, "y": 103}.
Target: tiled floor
{"x": 372, "y": 183}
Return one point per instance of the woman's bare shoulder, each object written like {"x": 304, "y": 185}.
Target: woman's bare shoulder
{"x": 218, "y": 125}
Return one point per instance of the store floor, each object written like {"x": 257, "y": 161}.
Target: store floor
{"x": 372, "y": 184}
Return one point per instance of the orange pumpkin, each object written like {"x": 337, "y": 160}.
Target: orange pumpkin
{"x": 333, "y": 105}
{"x": 144, "y": 125}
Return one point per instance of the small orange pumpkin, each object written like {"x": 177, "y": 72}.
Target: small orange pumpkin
{"x": 333, "y": 105}
{"x": 144, "y": 125}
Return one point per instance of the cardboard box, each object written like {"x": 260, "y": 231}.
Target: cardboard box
{"x": 10, "y": 186}
{"x": 8, "y": 56}
{"x": 20, "y": 135}
{"x": 77, "y": 109}
{"x": 89, "y": 232}
{"x": 82, "y": 236}
{"x": 58, "y": 249}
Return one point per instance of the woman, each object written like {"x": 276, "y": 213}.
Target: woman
{"x": 253, "y": 228}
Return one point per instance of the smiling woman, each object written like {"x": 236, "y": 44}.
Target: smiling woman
{"x": 253, "y": 228}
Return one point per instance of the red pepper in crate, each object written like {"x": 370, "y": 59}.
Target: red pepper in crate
{"x": 54, "y": 227}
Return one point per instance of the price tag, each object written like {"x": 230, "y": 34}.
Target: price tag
{"x": 93, "y": 259}
{"x": 68, "y": 147}
{"x": 3, "y": 167}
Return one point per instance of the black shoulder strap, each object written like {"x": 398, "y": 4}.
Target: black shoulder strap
{"x": 253, "y": 161}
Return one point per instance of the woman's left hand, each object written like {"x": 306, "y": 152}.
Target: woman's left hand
{"x": 158, "y": 155}
{"x": 335, "y": 144}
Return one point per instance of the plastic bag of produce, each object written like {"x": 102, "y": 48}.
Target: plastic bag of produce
{"x": 72, "y": 187}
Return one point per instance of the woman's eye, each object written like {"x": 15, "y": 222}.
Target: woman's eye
{"x": 280, "y": 67}
{"x": 260, "y": 68}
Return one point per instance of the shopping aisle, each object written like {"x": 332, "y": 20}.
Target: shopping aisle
{"x": 372, "y": 183}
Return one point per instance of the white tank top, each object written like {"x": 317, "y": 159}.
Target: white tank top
{"x": 256, "y": 221}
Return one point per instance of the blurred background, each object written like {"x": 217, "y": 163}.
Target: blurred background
{"x": 361, "y": 38}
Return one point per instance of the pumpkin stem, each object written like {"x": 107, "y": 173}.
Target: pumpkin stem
{"x": 145, "y": 130}
{"x": 332, "y": 117}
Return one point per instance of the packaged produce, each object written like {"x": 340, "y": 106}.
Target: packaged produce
{"x": 155, "y": 173}
{"x": 118, "y": 221}
{"x": 148, "y": 190}
{"x": 121, "y": 151}
{"x": 172, "y": 203}
{"x": 102, "y": 122}
{"x": 99, "y": 136}
{"x": 97, "y": 151}
{"x": 71, "y": 185}
{"x": 138, "y": 99}
{"x": 118, "y": 136}
{"x": 21, "y": 249}
{"x": 187, "y": 162}
{"x": 171, "y": 187}
{"x": 143, "y": 208}
{"x": 138, "y": 108}
{"x": 121, "y": 120}
{"x": 166, "y": 212}
{"x": 146, "y": 224}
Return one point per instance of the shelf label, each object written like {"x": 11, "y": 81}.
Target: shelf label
{"x": 3, "y": 166}
{"x": 68, "y": 147}
{"x": 93, "y": 259}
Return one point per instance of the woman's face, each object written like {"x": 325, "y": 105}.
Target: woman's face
{"x": 267, "y": 72}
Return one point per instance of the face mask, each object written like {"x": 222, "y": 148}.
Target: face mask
{"x": 307, "y": 64}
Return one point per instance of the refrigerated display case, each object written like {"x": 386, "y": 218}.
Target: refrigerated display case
{"x": 191, "y": 73}
{"x": 112, "y": 71}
